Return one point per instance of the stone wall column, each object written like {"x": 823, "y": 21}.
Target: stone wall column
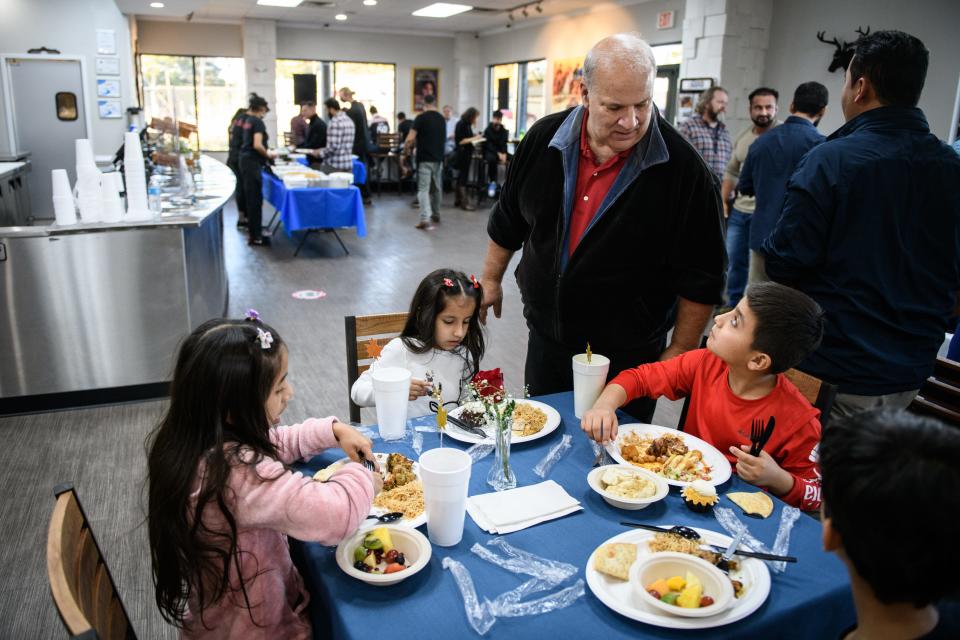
{"x": 260, "y": 60}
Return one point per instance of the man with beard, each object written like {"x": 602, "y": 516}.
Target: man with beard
{"x": 707, "y": 133}
{"x": 620, "y": 226}
{"x": 771, "y": 162}
{"x": 738, "y": 208}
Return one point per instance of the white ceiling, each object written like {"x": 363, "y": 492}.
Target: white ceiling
{"x": 392, "y": 15}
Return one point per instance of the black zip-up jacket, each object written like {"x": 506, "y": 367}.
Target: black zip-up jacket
{"x": 657, "y": 236}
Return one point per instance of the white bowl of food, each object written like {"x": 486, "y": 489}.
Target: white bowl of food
{"x": 388, "y": 554}
{"x": 627, "y": 487}
{"x": 680, "y": 584}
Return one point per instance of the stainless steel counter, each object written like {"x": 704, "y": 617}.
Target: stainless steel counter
{"x": 94, "y": 312}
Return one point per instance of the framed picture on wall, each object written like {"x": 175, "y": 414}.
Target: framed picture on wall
{"x": 426, "y": 82}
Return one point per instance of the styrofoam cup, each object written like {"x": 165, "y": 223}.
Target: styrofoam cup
{"x": 112, "y": 204}
{"x": 61, "y": 183}
{"x": 91, "y": 209}
{"x": 64, "y": 209}
{"x": 588, "y": 381}
{"x": 391, "y": 389}
{"x": 84, "y": 151}
{"x": 445, "y": 474}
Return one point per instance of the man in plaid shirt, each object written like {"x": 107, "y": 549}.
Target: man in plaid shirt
{"x": 706, "y": 133}
{"x": 338, "y": 154}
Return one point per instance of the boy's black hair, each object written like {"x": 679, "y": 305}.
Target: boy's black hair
{"x": 789, "y": 324}
{"x": 890, "y": 485}
{"x": 429, "y": 99}
{"x": 429, "y": 300}
{"x": 810, "y": 98}
{"x": 763, "y": 91}
{"x": 332, "y": 103}
{"x": 497, "y": 115}
{"x": 401, "y": 116}
{"x": 896, "y": 64}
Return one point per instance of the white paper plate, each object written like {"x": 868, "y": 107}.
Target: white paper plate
{"x": 411, "y": 542}
{"x": 379, "y": 511}
{"x": 622, "y": 598}
{"x": 718, "y": 463}
{"x": 553, "y": 421}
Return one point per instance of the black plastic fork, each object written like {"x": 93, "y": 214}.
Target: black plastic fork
{"x": 756, "y": 434}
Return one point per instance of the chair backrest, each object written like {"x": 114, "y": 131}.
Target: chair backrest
{"x": 939, "y": 396}
{"x": 360, "y": 330}
{"x": 83, "y": 589}
{"x": 388, "y": 140}
{"x": 287, "y": 138}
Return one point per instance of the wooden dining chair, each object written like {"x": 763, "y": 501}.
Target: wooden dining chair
{"x": 288, "y": 138}
{"x": 83, "y": 590}
{"x": 360, "y": 331}
{"x": 939, "y": 395}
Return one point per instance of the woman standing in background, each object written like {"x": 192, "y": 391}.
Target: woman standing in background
{"x": 254, "y": 155}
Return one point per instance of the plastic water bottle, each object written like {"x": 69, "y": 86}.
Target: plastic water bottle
{"x": 153, "y": 195}
{"x": 492, "y": 190}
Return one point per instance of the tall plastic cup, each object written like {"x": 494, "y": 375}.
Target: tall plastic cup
{"x": 391, "y": 389}
{"x": 84, "y": 153}
{"x": 445, "y": 474}
{"x": 588, "y": 381}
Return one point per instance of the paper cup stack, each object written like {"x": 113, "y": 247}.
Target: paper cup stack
{"x": 112, "y": 204}
{"x": 63, "y": 204}
{"x": 88, "y": 187}
{"x": 136, "y": 178}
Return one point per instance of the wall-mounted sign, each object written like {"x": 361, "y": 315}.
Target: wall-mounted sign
{"x": 108, "y": 66}
{"x": 110, "y": 109}
{"x": 665, "y": 19}
{"x": 108, "y": 88}
{"x": 106, "y": 42}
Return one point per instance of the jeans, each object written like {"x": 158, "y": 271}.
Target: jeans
{"x": 429, "y": 188}
{"x": 847, "y": 404}
{"x": 738, "y": 252}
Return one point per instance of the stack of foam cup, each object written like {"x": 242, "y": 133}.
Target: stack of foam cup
{"x": 135, "y": 178}
{"x": 88, "y": 187}
{"x": 112, "y": 204}
{"x": 63, "y": 204}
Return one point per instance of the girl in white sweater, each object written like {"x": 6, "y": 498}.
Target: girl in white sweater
{"x": 441, "y": 344}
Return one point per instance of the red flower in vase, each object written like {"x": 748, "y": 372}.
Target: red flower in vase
{"x": 489, "y": 384}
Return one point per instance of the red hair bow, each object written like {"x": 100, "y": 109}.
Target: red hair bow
{"x": 476, "y": 283}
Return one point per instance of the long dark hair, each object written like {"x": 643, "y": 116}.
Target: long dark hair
{"x": 470, "y": 115}
{"x": 429, "y": 300}
{"x": 257, "y": 103}
{"x": 221, "y": 383}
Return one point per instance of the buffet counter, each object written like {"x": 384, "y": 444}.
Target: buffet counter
{"x": 93, "y": 313}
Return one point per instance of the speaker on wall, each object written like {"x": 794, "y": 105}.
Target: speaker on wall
{"x": 503, "y": 94}
{"x": 304, "y": 88}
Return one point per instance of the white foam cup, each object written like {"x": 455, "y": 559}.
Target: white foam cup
{"x": 391, "y": 389}
{"x": 588, "y": 381}
{"x": 112, "y": 204}
{"x": 61, "y": 183}
{"x": 84, "y": 151}
{"x": 64, "y": 209}
{"x": 445, "y": 474}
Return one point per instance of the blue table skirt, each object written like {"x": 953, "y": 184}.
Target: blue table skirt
{"x": 315, "y": 207}
{"x": 811, "y": 599}
{"x": 359, "y": 170}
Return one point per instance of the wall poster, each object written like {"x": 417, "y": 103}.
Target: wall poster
{"x": 425, "y": 83}
{"x": 567, "y": 78}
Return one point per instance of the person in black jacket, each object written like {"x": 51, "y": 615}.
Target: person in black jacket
{"x": 464, "y": 138}
{"x": 254, "y": 155}
{"x": 621, "y": 227}
{"x": 235, "y": 136}
{"x": 316, "y": 127}
{"x": 358, "y": 114}
{"x": 495, "y": 145}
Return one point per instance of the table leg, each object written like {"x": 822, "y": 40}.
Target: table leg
{"x": 337, "y": 236}
{"x": 276, "y": 212}
{"x": 302, "y": 240}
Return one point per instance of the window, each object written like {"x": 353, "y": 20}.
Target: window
{"x": 286, "y": 108}
{"x": 518, "y": 88}
{"x": 198, "y": 90}
{"x": 66, "y": 106}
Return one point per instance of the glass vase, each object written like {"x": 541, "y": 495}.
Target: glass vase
{"x": 501, "y": 476}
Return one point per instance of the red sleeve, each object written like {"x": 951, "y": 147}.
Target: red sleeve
{"x": 799, "y": 458}
{"x": 672, "y": 378}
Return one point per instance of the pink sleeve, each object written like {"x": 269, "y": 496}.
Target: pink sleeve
{"x": 304, "y": 440}
{"x": 273, "y": 497}
{"x": 800, "y": 461}
{"x": 672, "y": 378}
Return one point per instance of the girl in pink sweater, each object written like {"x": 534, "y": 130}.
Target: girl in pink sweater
{"x": 222, "y": 499}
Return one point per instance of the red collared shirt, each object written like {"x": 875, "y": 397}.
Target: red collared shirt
{"x": 593, "y": 182}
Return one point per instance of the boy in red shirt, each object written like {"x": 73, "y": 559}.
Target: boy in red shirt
{"x": 735, "y": 380}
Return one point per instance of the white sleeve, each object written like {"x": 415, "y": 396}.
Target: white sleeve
{"x": 394, "y": 354}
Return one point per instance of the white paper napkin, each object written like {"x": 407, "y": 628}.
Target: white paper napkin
{"x": 516, "y": 509}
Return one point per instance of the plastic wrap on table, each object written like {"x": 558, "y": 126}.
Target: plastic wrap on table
{"x": 416, "y": 441}
{"x": 552, "y": 602}
{"x": 478, "y": 615}
{"x": 733, "y": 525}
{"x": 556, "y": 452}
{"x": 520, "y": 561}
{"x": 479, "y": 451}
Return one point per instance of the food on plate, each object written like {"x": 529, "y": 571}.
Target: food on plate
{"x": 667, "y": 455}
{"x": 399, "y": 471}
{"x": 757, "y": 503}
{"x": 682, "y": 592}
{"x": 700, "y": 496}
{"x": 626, "y": 484}
{"x": 407, "y": 499}
{"x": 673, "y": 542}
{"x": 615, "y": 559}
{"x": 528, "y": 419}
{"x": 376, "y": 554}
{"x": 472, "y": 413}
{"x": 324, "y": 474}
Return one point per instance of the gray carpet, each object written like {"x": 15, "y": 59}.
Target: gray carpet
{"x": 101, "y": 450}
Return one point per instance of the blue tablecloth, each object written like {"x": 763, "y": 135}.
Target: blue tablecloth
{"x": 359, "y": 170}
{"x": 811, "y": 599}
{"x": 315, "y": 207}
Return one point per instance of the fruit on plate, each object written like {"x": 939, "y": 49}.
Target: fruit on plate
{"x": 689, "y": 597}
{"x": 679, "y": 591}
{"x": 379, "y": 539}
{"x": 376, "y": 554}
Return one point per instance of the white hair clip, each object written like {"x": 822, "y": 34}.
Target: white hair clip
{"x": 264, "y": 338}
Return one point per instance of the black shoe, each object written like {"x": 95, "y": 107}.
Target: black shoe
{"x": 435, "y": 219}
{"x": 241, "y": 224}
{"x": 368, "y": 202}
{"x": 263, "y": 241}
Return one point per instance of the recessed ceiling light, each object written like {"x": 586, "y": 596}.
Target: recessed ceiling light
{"x": 441, "y": 10}
{"x": 157, "y": 5}
{"x": 341, "y": 16}
{"x": 279, "y": 3}
{"x": 370, "y": 3}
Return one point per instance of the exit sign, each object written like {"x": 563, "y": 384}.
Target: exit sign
{"x": 665, "y": 19}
